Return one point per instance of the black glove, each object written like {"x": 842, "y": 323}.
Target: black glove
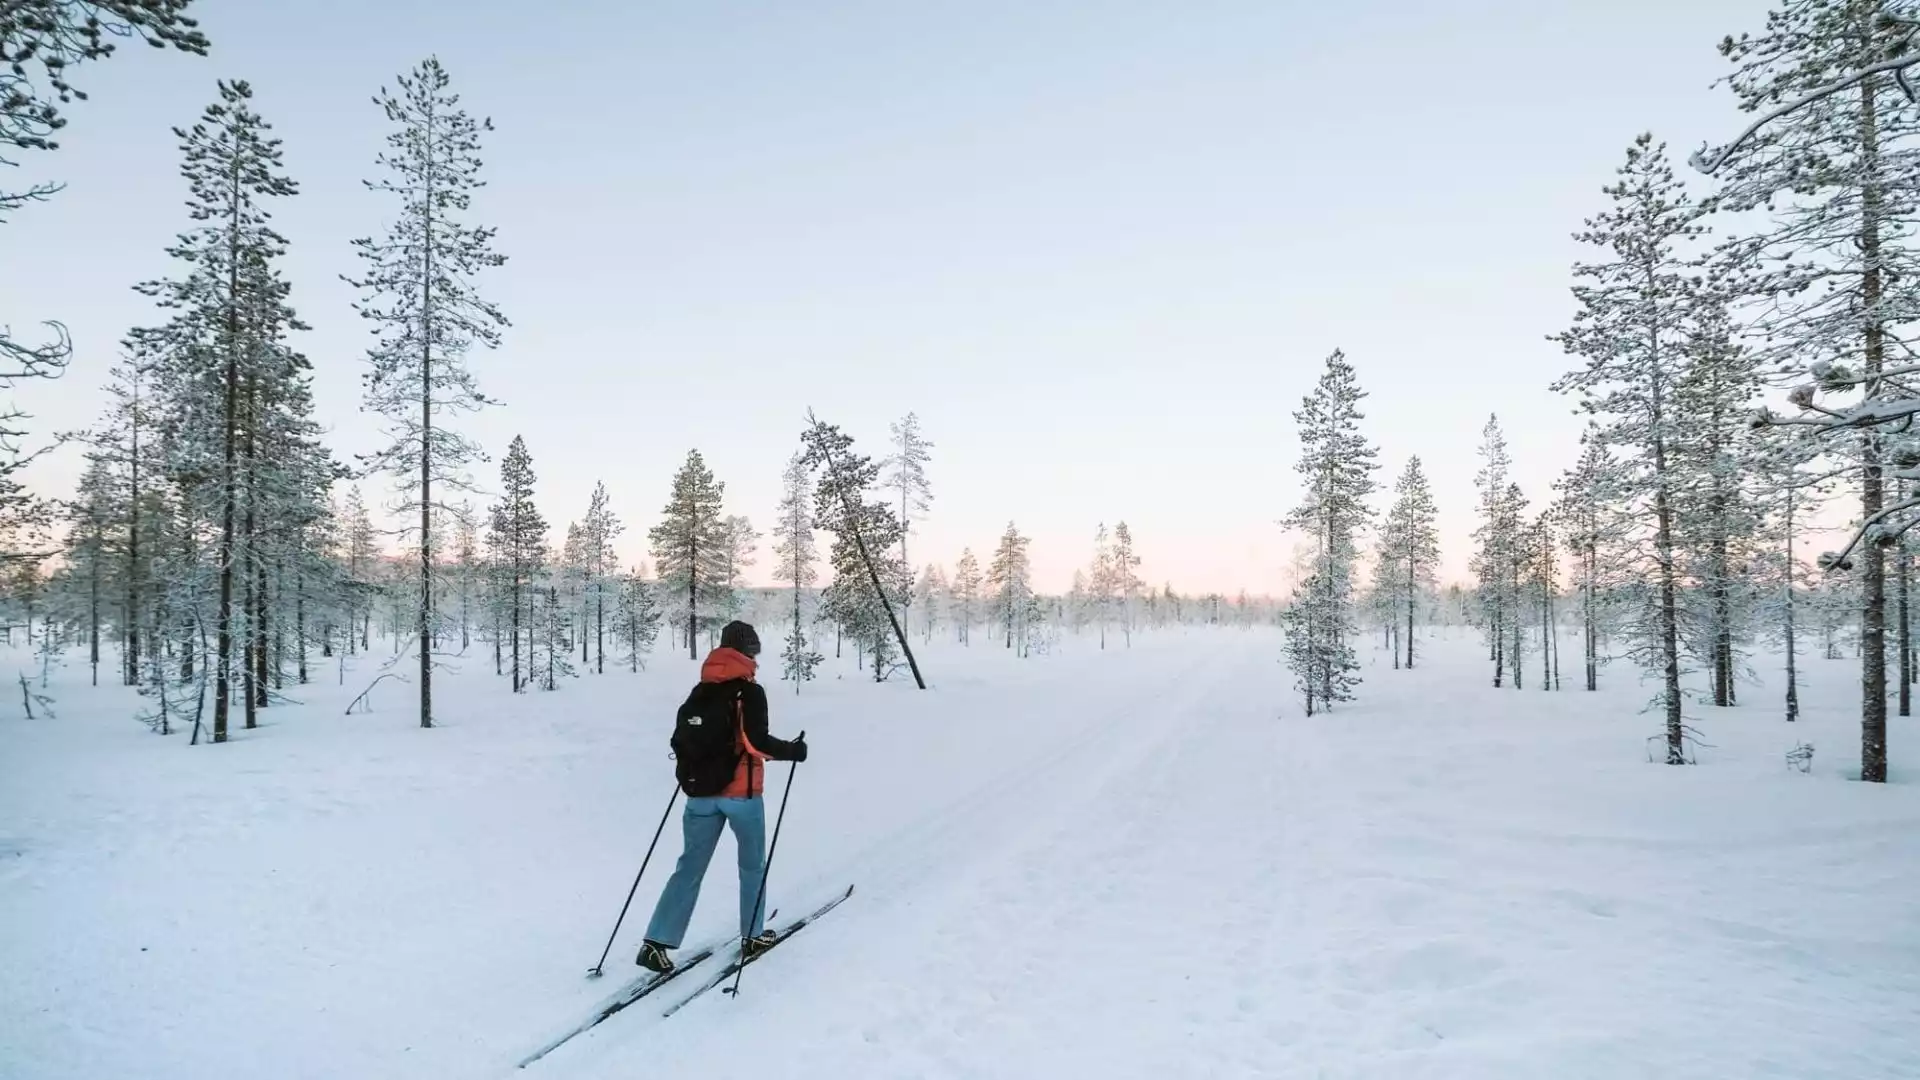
{"x": 799, "y": 746}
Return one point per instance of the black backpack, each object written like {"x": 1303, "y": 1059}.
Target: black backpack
{"x": 706, "y": 747}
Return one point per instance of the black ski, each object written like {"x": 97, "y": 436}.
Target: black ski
{"x": 780, "y": 935}
{"x": 627, "y": 995}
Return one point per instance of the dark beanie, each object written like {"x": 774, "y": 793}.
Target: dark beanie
{"x": 740, "y": 637}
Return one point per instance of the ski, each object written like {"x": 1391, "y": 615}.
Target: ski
{"x": 627, "y": 995}
{"x": 782, "y": 934}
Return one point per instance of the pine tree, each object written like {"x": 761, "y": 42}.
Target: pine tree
{"x": 1009, "y": 575}
{"x": 931, "y": 596}
{"x": 794, "y": 548}
{"x": 1592, "y": 530}
{"x": 230, "y": 319}
{"x": 1126, "y": 579}
{"x": 966, "y": 594}
{"x": 1494, "y": 560}
{"x": 1102, "y": 582}
{"x": 1337, "y": 464}
{"x": 418, "y": 291}
{"x": 1715, "y": 521}
{"x": 907, "y": 478}
{"x": 597, "y": 534}
{"x": 869, "y": 581}
{"x": 466, "y": 567}
{"x": 517, "y": 536}
{"x": 1829, "y": 161}
{"x": 1631, "y": 330}
{"x": 692, "y": 544}
{"x": 1410, "y": 545}
{"x": 637, "y": 618}
{"x": 742, "y": 542}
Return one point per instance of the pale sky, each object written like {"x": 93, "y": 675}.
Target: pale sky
{"x": 1101, "y": 249}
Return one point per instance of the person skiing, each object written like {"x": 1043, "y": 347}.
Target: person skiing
{"x": 721, "y": 747}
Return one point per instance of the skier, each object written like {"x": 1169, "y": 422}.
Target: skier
{"x": 720, "y": 747}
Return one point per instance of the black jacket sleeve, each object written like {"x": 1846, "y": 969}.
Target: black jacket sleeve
{"x": 753, "y": 713}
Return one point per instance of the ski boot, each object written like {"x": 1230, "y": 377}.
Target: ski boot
{"x": 754, "y": 946}
{"x": 653, "y": 956}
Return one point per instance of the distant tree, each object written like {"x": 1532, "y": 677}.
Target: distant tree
{"x": 597, "y": 533}
{"x": 794, "y": 548}
{"x": 1010, "y": 578}
{"x": 518, "y": 539}
{"x": 1126, "y": 581}
{"x": 1591, "y": 528}
{"x": 907, "y": 478}
{"x": 1410, "y": 545}
{"x": 636, "y": 620}
{"x": 966, "y": 594}
{"x": 931, "y": 597}
{"x": 742, "y": 543}
{"x": 1102, "y": 582}
{"x": 692, "y": 545}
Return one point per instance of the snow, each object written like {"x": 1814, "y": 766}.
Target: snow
{"x": 1140, "y": 862}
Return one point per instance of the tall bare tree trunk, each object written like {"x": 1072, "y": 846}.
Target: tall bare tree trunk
{"x": 1873, "y": 577}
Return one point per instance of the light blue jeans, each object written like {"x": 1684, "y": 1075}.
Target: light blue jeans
{"x": 700, "y": 826}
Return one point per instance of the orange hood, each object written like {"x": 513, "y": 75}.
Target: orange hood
{"x": 724, "y": 664}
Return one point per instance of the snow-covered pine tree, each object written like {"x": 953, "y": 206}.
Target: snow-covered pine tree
{"x": 1410, "y": 546}
{"x": 362, "y": 557}
{"x": 931, "y": 597}
{"x": 1009, "y": 575}
{"x": 1514, "y": 582}
{"x": 967, "y": 583}
{"x": 1337, "y": 464}
{"x": 517, "y": 537}
{"x": 743, "y": 541}
{"x": 570, "y": 588}
{"x": 86, "y": 585}
{"x": 419, "y": 291}
{"x": 1493, "y": 559}
{"x": 692, "y": 544}
{"x": 907, "y": 480}
{"x": 869, "y": 580}
{"x": 1126, "y": 578}
{"x": 598, "y": 532}
{"x": 226, "y": 333}
{"x": 1631, "y": 329}
{"x": 1102, "y": 584}
{"x": 1591, "y": 527}
{"x": 551, "y": 657}
{"x": 796, "y": 555}
{"x": 1715, "y": 522}
{"x": 636, "y": 620}
{"x": 466, "y": 567}
{"x": 1788, "y": 497}
{"x": 126, "y": 443}
{"x": 1828, "y": 167}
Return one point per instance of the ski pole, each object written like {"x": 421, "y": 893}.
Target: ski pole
{"x": 766, "y": 871}
{"x": 594, "y": 972}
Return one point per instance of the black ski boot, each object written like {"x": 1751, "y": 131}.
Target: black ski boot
{"x": 653, "y": 956}
{"x": 754, "y": 946}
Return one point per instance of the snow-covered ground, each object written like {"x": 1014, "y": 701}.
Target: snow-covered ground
{"x": 1142, "y": 862}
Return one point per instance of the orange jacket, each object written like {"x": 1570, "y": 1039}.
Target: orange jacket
{"x": 725, "y": 665}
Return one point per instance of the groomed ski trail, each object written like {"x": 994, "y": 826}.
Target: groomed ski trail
{"x": 1067, "y": 904}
